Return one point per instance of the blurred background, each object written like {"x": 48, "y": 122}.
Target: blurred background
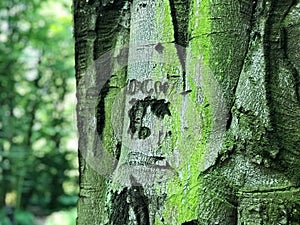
{"x": 38, "y": 139}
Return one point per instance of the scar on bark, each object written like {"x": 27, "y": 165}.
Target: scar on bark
{"x": 138, "y": 111}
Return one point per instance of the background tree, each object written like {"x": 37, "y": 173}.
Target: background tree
{"x": 35, "y": 123}
{"x": 224, "y": 148}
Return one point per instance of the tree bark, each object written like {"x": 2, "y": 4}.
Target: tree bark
{"x": 188, "y": 111}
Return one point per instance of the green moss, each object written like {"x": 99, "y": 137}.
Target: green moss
{"x": 108, "y": 133}
{"x": 183, "y": 190}
{"x": 109, "y": 139}
{"x": 163, "y": 22}
{"x": 191, "y": 123}
{"x": 200, "y": 29}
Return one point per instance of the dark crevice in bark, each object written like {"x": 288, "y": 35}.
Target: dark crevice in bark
{"x": 139, "y": 202}
{"x": 133, "y": 198}
{"x": 192, "y": 222}
{"x": 118, "y": 150}
{"x": 180, "y": 18}
{"x": 250, "y": 12}
{"x": 229, "y": 120}
{"x": 120, "y": 208}
{"x": 272, "y": 190}
{"x": 100, "y": 114}
{"x": 180, "y": 11}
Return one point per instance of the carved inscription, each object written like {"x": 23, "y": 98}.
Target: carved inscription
{"x": 137, "y": 113}
{"x": 150, "y": 87}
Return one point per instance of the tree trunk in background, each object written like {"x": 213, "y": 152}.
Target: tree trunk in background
{"x": 188, "y": 111}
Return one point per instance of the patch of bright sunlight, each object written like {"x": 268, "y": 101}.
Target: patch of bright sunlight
{"x": 62, "y": 218}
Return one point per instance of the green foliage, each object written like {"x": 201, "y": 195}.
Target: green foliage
{"x": 20, "y": 217}
{"x": 4, "y": 220}
{"x": 36, "y": 124}
{"x": 23, "y": 218}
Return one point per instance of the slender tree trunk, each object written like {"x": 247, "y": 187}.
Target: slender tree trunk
{"x": 188, "y": 111}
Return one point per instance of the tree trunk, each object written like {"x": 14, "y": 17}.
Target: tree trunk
{"x": 188, "y": 111}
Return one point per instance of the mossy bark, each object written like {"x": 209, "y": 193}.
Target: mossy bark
{"x": 206, "y": 130}
{"x": 254, "y": 178}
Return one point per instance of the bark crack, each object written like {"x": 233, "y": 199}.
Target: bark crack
{"x": 249, "y": 10}
{"x": 251, "y": 13}
{"x": 180, "y": 10}
{"x": 272, "y": 190}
